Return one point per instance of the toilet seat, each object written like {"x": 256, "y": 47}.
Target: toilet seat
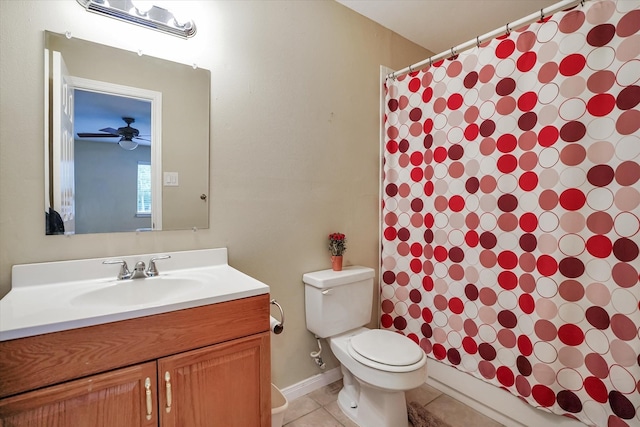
{"x": 386, "y": 351}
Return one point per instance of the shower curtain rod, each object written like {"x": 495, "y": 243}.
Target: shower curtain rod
{"x": 564, "y": 4}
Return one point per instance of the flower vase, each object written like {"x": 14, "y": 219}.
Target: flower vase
{"x": 336, "y": 262}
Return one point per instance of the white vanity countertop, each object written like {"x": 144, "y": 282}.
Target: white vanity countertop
{"x": 57, "y": 296}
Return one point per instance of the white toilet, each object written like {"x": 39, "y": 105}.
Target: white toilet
{"x": 378, "y": 366}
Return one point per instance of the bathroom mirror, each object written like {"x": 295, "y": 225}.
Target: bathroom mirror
{"x": 127, "y": 140}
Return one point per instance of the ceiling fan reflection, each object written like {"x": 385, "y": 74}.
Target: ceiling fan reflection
{"x": 127, "y": 134}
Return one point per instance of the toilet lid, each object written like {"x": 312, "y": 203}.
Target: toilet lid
{"x": 386, "y": 347}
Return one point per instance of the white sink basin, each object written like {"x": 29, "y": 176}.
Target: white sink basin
{"x": 62, "y": 295}
{"x": 139, "y": 291}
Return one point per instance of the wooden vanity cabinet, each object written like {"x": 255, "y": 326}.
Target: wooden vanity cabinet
{"x": 207, "y": 368}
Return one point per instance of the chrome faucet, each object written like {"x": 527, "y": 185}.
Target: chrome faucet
{"x": 139, "y": 271}
{"x": 152, "y": 270}
{"x": 124, "y": 269}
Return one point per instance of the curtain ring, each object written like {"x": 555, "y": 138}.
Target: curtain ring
{"x": 478, "y": 41}
{"x": 581, "y": 3}
{"x": 453, "y": 53}
{"x": 508, "y": 30}
{"x": 411, "y": 68}
{"x": 430, "y": 61}
{"x": 541, "y": 15}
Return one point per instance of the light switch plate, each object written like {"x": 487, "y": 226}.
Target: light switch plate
{"x": 171, "y": 179}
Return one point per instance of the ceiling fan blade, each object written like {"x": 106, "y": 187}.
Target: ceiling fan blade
{"x": 96, "y": 135}
{"x": 140, "y": 138}
{"x": 111, "y": 131}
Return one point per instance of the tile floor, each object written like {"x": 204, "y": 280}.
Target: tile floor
{"x": 320, "y": 409}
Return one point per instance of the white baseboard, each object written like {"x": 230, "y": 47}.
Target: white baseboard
{"x": 312, "y": 383}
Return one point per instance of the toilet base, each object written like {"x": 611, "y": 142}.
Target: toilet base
{"x": 369, "y": 406}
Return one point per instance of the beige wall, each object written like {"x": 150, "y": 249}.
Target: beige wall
{"x": 294, "y": 141}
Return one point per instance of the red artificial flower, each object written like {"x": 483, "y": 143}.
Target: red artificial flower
{"x": 337, "y": 244}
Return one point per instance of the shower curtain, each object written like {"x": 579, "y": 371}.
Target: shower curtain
{"x": 511, "y": 195}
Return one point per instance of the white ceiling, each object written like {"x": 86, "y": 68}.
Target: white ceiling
{"x": 439, "y": 25}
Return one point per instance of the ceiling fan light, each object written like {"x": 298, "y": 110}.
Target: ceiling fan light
{"x": 128, "y": 144}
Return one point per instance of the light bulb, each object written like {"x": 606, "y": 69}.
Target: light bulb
{"x": 142, "y": 6}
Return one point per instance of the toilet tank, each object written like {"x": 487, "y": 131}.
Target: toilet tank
{"x": 338, "y": 301}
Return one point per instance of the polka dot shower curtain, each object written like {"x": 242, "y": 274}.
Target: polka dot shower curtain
{"x": 511, "y": 212}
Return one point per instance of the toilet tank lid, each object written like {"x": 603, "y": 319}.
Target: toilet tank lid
{"x": 329, "y": 278}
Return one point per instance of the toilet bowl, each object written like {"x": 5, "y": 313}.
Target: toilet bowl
{"x": 375, "y": 378}
{"x": 378, "y": 366}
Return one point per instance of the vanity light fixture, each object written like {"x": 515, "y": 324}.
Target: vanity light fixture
{"x": 144, "y": 14}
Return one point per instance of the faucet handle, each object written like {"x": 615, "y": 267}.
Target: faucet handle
{"x": 124, "y": 269}
{"x": 152, "y": 270}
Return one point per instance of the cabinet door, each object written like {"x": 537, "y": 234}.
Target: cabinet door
{"x": 226, "y": 385}
{"x": 124, "y": 397}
